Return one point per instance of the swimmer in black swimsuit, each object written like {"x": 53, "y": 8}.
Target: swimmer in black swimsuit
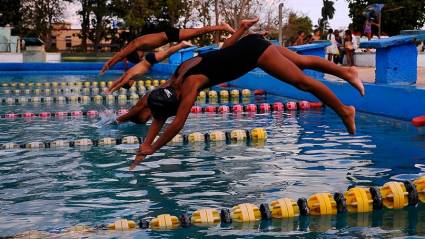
{"x": 141, "y": 68}
{"x": 177, "y": 96}
{"x": 134, "y": 51}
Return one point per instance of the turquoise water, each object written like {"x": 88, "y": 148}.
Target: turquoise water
{"x": 306, "y": 152}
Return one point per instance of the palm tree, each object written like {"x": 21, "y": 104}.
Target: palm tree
{"x": 328, "y": 10}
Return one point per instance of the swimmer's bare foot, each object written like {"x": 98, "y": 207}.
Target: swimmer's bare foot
{"x": 354, "y": 80}
{"x": 247, "y": 23}
{"x": 226, "y": 27}
{"x": 349, "y": 119}
{"x": 186, "y": 44}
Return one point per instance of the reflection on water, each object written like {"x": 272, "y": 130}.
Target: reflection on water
{"x": 306, "y": 152}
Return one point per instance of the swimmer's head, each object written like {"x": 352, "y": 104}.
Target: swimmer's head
{"x": 163, "y": 102}
{"x": 143, "y": 111}
{"x": 136, "y": 56}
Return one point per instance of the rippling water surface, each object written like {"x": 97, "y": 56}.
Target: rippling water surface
{"x": 306, "y": 152}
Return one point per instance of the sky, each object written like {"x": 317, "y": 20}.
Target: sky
{"x": 311, "y": 8}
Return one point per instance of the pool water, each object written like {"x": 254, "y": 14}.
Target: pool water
{"x": 306, "y": 152}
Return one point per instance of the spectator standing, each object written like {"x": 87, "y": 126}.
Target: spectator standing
{"x": 300, "y": 39}
{"x": 316, "y": 35}
{"x": 340, "y": 56}
{"x": 349, "y": 47}
{"x": 308, "y": 39}
{"x": 331, "y": 50}
{"x": 368, "y": 29}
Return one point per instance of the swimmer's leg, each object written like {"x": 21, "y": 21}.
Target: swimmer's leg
{"x": 349, "y": 74}
{"x": 285, "y": 70}
{"x": 186, "y": 34}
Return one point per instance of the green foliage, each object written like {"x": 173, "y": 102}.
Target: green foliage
{"x": 396, "y": 15}
{"x": 328, "y": 12}
{"x": 11, "y": 14}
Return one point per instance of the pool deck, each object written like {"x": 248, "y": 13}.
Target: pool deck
{"x": 367, "y": 75}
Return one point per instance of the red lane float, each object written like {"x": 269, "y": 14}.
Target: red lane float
{"x": 45, "y": 115}
{"x": 251, "y": 108}
{"x": 419, "y": 121}
{"x": 316, "y": 105}
{"x": 265, "y": 108}
{"x": 196, "y": 109}
{"x": 278, "y": 106}
{"x": 237, "y": 108}
{"x": 211, "y": 109}
{"x": 259, "y": 92}
{"x": 304, "y": 105}
{"x": 76, "y": 113}
{"x": 291, "y": 105}
{"x": 11, "y": 116}
{"x": 61, "y": 114}
{"x": 92, "y": 113}
{"x": 28, "y": 115}
{"x": 223, "y": 109}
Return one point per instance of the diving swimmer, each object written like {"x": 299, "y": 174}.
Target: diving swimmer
{"x": 237, "y": 57}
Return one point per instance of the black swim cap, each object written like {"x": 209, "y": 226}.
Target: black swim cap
{"x": 133, "y": 57}
{"x": 163, "y": 102}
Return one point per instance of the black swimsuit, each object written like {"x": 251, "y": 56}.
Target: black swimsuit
{"x": 173, "y": 34}
{"x": 232, "y": 62}
{"x": 219, "y": 66}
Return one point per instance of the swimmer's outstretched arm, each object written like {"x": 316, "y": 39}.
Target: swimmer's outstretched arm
{"x": 143, "y": 67}
{"x": 243, "y": 28}
{"x": 155, "y": 40}
{"x": 140, "y": 68}
{"x": 190, "y": 93}
{"x": 154, "y": 129}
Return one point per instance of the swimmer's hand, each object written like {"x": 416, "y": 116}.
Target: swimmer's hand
{"x": 105, "y": 67}
{"x": 144, "y": 151}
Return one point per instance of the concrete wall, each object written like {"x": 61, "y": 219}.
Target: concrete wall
{"x": 11, "y": 57}
{"x": 53, "y": 57}
{"x": 30, "y": 57}
{"x": 8, "y": 43}
{"x": 368, "y": 59}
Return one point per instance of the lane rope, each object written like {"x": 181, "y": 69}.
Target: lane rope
{"x": 222, "y": 109}
{"x": 236, "y": 135}
{"x": 355, "y": 200}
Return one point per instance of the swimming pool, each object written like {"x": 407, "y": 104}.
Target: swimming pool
{"x": 306, "y": 152}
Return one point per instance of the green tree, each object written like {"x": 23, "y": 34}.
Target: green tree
{"x": 233, "y": 11}
{"x": 38, "y": 17}
{"x": 396, "y": 15}
{"x": 296, "y": 24}
{"x": 11, "y": 14}
{"x": 84, "y": 12}
{"x": 143, "y": 16}
{"x": 99, "y": 22}
{"x": 328, "y": 12}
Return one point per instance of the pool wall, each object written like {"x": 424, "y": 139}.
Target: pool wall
{"x": 402, "y": 102}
